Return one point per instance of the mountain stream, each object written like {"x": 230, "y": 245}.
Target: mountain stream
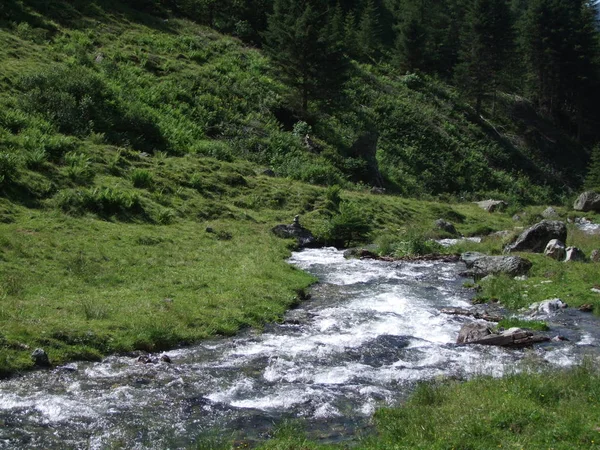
{"x": 370, "y": 331}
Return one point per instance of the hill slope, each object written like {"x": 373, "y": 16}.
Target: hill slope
{"x": 80, "y": 74}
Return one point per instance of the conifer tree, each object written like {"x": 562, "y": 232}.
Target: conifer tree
{"x": 306, "y": 57}
{"x": 411, "y": 45}
{"x": 560, "y": 44}
{"x": 350, "y": 35}
{"x": 592, "y": 180}
{"x": 369, "y": 31}
{"x": 486, "y": 44}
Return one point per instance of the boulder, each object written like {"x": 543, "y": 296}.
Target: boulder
{"x": 472, "y": 331}
{"x": 511, "y": 338}
{"x": 469, "y": 258}
{"x": 595, "y": 256}
{"x": 268, "y": 173}
{"x": 40, "y": 358}
{"x": 535, "y": 238}
{"x": 549, "y": 213}
{"x": 588, "y": 201}
{"x": 588, "y": 307}
{"x": 555, "y": 250}
{"x": 446, "y": 226}
{"x": 547, "y": 307}
{"x": 492, "y": 205}
{"x": 361, "y": 252}
{"x": 495, "y": 265}
{"x": 483, "y": 315}
{"x": 574, "y": 254}
{"x": 365, "y": 149}
{"x": 303, "y": 237}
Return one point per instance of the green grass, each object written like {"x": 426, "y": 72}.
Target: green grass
{"x": 88, "y": 268}
{"x": 513, "y": 322}
{"x": 533, "y": 410}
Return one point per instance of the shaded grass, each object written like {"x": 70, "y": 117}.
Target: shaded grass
{"x": 548, "y": 409}
{"x": 558, "y": 410}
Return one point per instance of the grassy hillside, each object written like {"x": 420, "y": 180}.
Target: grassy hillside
{"x": 80, "y": 74}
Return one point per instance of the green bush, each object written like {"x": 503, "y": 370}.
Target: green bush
{"x": 415, "y": 243}
{"x": 103, "y": 201}
{"x": 8, "y": 168}
{"x": 141, "y": 178}
{"x": 348, "y": 225}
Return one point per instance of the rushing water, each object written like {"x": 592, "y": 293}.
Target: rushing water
{"x": 370, "y": 331}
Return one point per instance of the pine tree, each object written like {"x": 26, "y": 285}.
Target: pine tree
{"x": 486, "y": 44}
{"x": 306, "y": 57}
{"x": 559, "y": 41}
{"x": 336, "y": 25}
{"x": 411, "y": 45}
{"x": 350, "y": 35}
{"x": 592, "y": 180}
{"x": 369, "y": 31}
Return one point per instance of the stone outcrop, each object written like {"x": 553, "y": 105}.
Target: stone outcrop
{"x": 470, "y": 313}
{"x": 303, "y": 237}
{"x": 535, "y": 238}
{"x": 40, "y": 358}
{"x": 547, "y": 307}
{"x": 480, "y": 267}
{"x": 478, "y": 333}
{"x": 595, "y": 256}
{"x": 555, "y": 250}
{"x": 473, "y": 331}
{"x": 492, "y": 205}
{"x": 365, "y": 148}
{"x": 588, "y": 201}
{"x": 446, "y": 226}
{"x": 574, "y": 254}
{"x": 469, "y": 258}
{"x": 549, "y": 213}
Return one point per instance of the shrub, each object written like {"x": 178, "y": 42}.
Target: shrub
{"x": 416, "y": 243}
{"x": 8, "y": 167}
{"x": 35, "y": 159}
{"x": 346, "y": 226}
{"x": 141, "y": 178}
{"x": 103, "y": 201}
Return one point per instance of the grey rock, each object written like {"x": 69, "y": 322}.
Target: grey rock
{"x": 361, "y": 252}
{"x": 268, "y": 173}
{"x": 547, "y": 307}
{"x": 549, "y": 213}
{"x": 516, "y": 218}
{"x": 303, "y": 237}
{"x": 469, "y": 258}
{"x": 40, "y": 358}
{"x": 555, "y": 250}
{"x": 574, "y": 254}
{"x": 473, "y": 331}
{"x": 166, "y": 358}
{"x": 588, "y": 201}
{"x": 446, "y": 226}
{"x": 511, "y": 338}
{"x": 377, "y": 190}
{"x": 365, "y": 149}
{"x": 535, "y": 238}
{"x": 495, "y": 265}
{"x": 503, "y": 234}
{"x": 595, "y": 256}
{"x": 492, "y": 205}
